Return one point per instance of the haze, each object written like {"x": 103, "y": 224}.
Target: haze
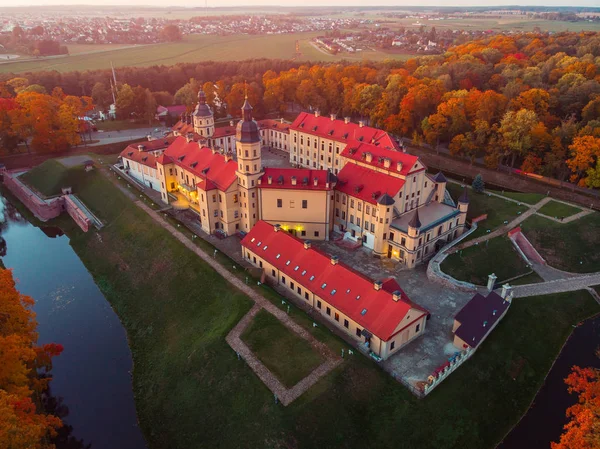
{"x": 221, "y": 3}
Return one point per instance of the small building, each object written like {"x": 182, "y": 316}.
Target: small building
{"x": 169, "y": 114}
{"x": 88, "y": 165}
{"x": 478, "y": 318}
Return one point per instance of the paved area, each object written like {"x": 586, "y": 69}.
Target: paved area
{"x": 73, "y": 161}
{"x": 275, "y": 158}
{"x": 107, "y": 137}
{"x": 415, "y": 362}
{"x": 569, "y": 219}
{"x": 557, "y": 286}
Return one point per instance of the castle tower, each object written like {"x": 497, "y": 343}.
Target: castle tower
{"x": 204, "y": 122}
{"x": 463, "y": 206}
{"x": 385, "y": 212}
{"x": 440, "y": 183}
{"x": 249, "y": 167}
{"x": 412, "y": 243}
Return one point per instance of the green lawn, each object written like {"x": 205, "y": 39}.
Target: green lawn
{"x": 475, "y": 263}
{"x": 497, "y": 209}
{"x": 567, "y": 246}
{"x": 192, "y": 391}
{"x": 558, "y": 210}
{"x": 47, "y": 178}
{"x": 527, "y": 198}
{"x": 287, "y": 355}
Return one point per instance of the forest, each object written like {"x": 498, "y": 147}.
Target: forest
{"x": 529, "y": 101}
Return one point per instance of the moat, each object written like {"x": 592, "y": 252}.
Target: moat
{"x": 92, "y": 376}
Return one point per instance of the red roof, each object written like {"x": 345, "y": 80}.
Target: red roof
{"x": 212, "y": 167}
{"x": 365, "y": 184}
{"x": 274, "y": 124}
{"x": 177, "y": 109}
{"x": 358, "y": 151}
{"x": 183, "y": 128}
{"x": 133, "y": 153}
{"x": 341, "y": 131}
{"x": 223, "y": 131}
{"x": 348, "y": 291}
{"x": 282, "y": 179}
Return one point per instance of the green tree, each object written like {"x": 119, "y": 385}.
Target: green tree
{"x": 125, "y": 101}
{"x": 515, "y": 132}
{"x": 478, "y": 184}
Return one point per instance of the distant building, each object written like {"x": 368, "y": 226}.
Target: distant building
{"x": 174, "y": 112}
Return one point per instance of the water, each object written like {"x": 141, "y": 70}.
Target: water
{"x": 544, "y": 421}
{"x": 92, "y": 375}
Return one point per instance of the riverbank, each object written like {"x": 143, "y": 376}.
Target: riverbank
{"x": 191, "y": 390}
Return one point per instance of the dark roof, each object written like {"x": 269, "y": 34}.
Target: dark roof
{"x": 415, "y": 222}
{"x": 247, "y": 130}
{"x": 440, "y": 177}
{"x": 386, "y": 200}
{"x": 202, "y": 109}
{"x": 464, "y": 198}
{"x": 478, "y": 317}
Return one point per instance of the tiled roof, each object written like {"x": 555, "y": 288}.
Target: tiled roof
{"x": 365, "y": 184}
{"x": 478, "y": 317}
{"x": 281, "y": 178}
{"x": 212, "y": 167}
{"x": 223, "y": 131}
{"x": 359, "y": 151}
{"x": 274, "y": 124}
{"x": 145, "y": 156}
{"x": 348, "y": 291}
{"x": 183, "y": 128}
{"x": 341, "y": 131}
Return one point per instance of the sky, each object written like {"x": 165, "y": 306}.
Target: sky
{"x": 195, "y": 3}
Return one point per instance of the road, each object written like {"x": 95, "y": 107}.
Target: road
{"x": 106, "y": 137}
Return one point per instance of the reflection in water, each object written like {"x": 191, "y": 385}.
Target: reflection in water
{"x": 92, "y": 375}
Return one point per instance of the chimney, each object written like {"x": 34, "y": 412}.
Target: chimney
{"x": 231, "y": 123}
{"x": 494, "y": 312}
{"x": 141, "y": 148}
{"x": 485, "y": 324}
{"x": 399, "y": 166}
{"x": 397, "y": 295}
{"x": 227, "y": 157}
{"x": 317, "y": 113}
{"x": 335, "y": 260}
{"x": 269, "y": 179}
{"x": 491, "y": 282}
{"x": 307, "y": 244}
{"x": 369, "y": 157}
{"x": 387, "y": 162}
{"x": 293, "y": 180}
{"x": 346, "y": 120}
{"x": 361, "y": 124}
{"x": 506, "y": 289}
{"x": 214, "y": 150}
{"x": 377, "y": 285}
{"x": 332, "y": 117}
{"x": 315, "y": 181}
{"x": 281, "y": 120}
{"x": 276, "y": 227}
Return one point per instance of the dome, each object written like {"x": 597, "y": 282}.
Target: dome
{"x": 202, "y": 109}
{"x": 247, "y": 130}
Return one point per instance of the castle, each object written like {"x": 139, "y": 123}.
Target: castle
{"x": 344, "y": 178}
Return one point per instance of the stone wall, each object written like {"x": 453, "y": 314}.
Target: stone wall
{"x": 76, "y": 214}
{"x": 44, "y": 210}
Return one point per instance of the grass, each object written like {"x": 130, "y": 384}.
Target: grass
{"x": 498, "y": 210}
{"x": 475, "y": 263}
{"x": 287, "y": 355}
{"x": 527, "y": 198}
{"x": 196, "y": 48}
{"x": 567, "y": 246}
{"x": 191, "y": 391}
{"x": 531, "y": 278}
{"x": 558, "y": 210}
{"x": 48, "y": 178}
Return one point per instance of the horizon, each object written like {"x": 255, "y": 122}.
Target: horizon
{"x": 296, "y": 3}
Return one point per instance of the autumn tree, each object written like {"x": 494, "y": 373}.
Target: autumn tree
{"x": 23, "y": 422}
{"x": 171, "y": 33}
{"x": 125, "y": 101}
{"x": 583, "y": 429}
{"x": 585, "y": 153}
{"x": 101, "y": 95}
{"x": 515, "y": 133}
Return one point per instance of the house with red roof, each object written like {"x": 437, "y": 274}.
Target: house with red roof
{"x": 139, "y": 161}
{"x": 377, "y": 314}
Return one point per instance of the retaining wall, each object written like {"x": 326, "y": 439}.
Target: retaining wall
{"x": 76, "y": 214}
{"x": 44, "y": 210}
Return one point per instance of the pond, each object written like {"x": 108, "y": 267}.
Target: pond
{"x": 544, "y": 421}
{"x": 92, "y": 377}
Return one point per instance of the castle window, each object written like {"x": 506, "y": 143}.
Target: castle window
{"x": 392, "y": 236}
{"x": 279, "y": 202}
{"x": 304, "y": 204}
{"x": 346, "y": 324}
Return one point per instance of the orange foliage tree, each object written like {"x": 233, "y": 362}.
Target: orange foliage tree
{"x": 23, "y": 373}
{"x": 583, "y": 429}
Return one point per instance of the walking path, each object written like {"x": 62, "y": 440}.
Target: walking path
{"x": 504, "y": 228}
{"x": 557, "y": 286}
{"x": 286, "y": 396}
{"x": 569, "y": 219}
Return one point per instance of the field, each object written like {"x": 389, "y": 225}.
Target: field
{"x": 476, "y": 263}
{"x": 192, "y": 391}
{"x": 567, "y": 246}
{"x": 287, "y": 355}
{"x": 195, "y": 48}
